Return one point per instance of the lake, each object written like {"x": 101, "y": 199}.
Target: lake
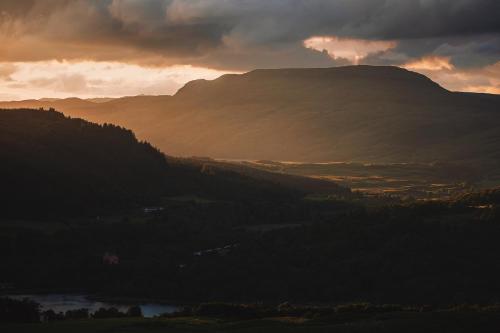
{"x": 65, "y": 302}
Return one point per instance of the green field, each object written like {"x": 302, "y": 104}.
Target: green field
{"x": 392, "y": 322}
{"x": 403, "y": 180}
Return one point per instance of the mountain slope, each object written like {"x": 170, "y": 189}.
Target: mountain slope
{"x": 354, "y": 113}
{"x": 53, "y": 165}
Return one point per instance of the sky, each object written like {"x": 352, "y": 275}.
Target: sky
{"x": 112, "y": 48}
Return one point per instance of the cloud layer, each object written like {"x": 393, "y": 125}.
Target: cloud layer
{"x": 232, "y": 35}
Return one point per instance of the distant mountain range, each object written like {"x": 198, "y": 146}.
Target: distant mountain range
{"x": 354, "y": 113}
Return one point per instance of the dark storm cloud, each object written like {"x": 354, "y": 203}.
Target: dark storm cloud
{"x": 463, "y": 51}
{"x": 475, "y": 52}
{"x": 99, "y": 29}
{"x": 243, "y": 34}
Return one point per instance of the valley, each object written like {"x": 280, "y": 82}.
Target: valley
{"x": 94, "y": 209}
{"x": 220, "y": 166}
{"x": 405, "y": 181}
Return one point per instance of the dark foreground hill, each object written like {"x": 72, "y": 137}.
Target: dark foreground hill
{"x": 51, "y": 163}
{"x": 54, "y": 165}
{"x": 225, "y": 232}
{"x": 356, "y": 113}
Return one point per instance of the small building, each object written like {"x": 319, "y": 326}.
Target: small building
{"x": 110, "y": 259}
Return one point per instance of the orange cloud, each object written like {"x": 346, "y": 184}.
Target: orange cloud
{"x": 441, "y": 70}
{"x": 353, "y": 50}
{"x": 430, "y": 63}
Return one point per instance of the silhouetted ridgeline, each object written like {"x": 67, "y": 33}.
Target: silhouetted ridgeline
{"x": 354, "y": 113}
{"x": 55, "y": 164}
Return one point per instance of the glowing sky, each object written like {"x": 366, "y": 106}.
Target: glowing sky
{"x": 88, "y": 79}
{"x": 97, "y": 48}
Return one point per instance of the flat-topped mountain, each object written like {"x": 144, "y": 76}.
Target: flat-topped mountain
{"x": 354, "y": 113}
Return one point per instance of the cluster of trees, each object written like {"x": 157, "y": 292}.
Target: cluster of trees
{"x": 79, "y": 314}
{"x": 422, "y": 253}
{"x": 22, "y": 311}
{"x": 258, "y": 310}
{"x": 29, "y": 311}
{"x": 55, "y": 166}
{"x": 484, "y": 197}
{"x": 50, "y": 315}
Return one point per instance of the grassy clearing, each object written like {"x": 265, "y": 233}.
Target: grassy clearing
{"x": 421, "y": 181}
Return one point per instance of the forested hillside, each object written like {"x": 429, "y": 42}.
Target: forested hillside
{"x": 54, "y": 165}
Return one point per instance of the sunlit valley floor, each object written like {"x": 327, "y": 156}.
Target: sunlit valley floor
{"x": 403, "y": 181}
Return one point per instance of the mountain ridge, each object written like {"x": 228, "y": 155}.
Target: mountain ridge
{"x": 380, "y": 114}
